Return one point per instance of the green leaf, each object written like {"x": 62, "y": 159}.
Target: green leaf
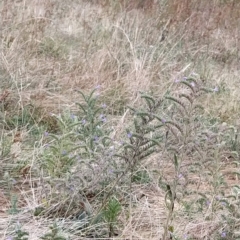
{"x": 175, "y": 162}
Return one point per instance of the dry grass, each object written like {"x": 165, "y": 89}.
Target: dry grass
{"x": 49, "y": 49}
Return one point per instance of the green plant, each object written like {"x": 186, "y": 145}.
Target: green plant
{"x": 54, "y": 234}
{"x": 59, "y": 157}
{"x": 90, "y": 126}
{"x": 144, "y": 137}
{"x": 81, "y": 135}
{"x": 229, "y": 207}
{"x": 174, "y": 124}
{"x": 141, "y": 177}
{"x": 78, "y": 158}
{"x": 20, "y": 234}
{"x": 14, "y": 209}
{"x": 111, "y": 213}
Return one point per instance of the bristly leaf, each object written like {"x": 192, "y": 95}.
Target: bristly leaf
{"x": 54, "y": 136}
{"x": 147, "y": 146}
{"x": 90, "y": 95}
{"x": 182, "y": 95}
{"x": 83, "y": 95}
{"x": 189, "y": 85}
{"x": 175, "y": 162}
{"x": 132, "y": 109}
{"x": 149, "y": 100}
{"x": 192, "y": 80}
{"x": 206, "y": 90}
{"x": 82, "y": 107}
{"x": 175, "y": 125}
{"x": 177, "y": 101}
{"x": 97, "y": 111}
{"x": 128, "y": 146}
{"x": 146, "y": 153}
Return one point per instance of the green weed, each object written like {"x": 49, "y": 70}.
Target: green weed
{"x": 54, "y": 234}
{"x": 110, "y": 214}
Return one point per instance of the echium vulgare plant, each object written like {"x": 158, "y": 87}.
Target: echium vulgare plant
{"x": 175, "y": 127}
{"x": 190, "y": 148}
{"x": 183, "y": 144}
{"x": 90, "y": 130}
{"x": 144, "y": 136}
{"x": 78, "y": 158}
{"x": 192, "y": 153}
{"x": 81, "y": 136}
